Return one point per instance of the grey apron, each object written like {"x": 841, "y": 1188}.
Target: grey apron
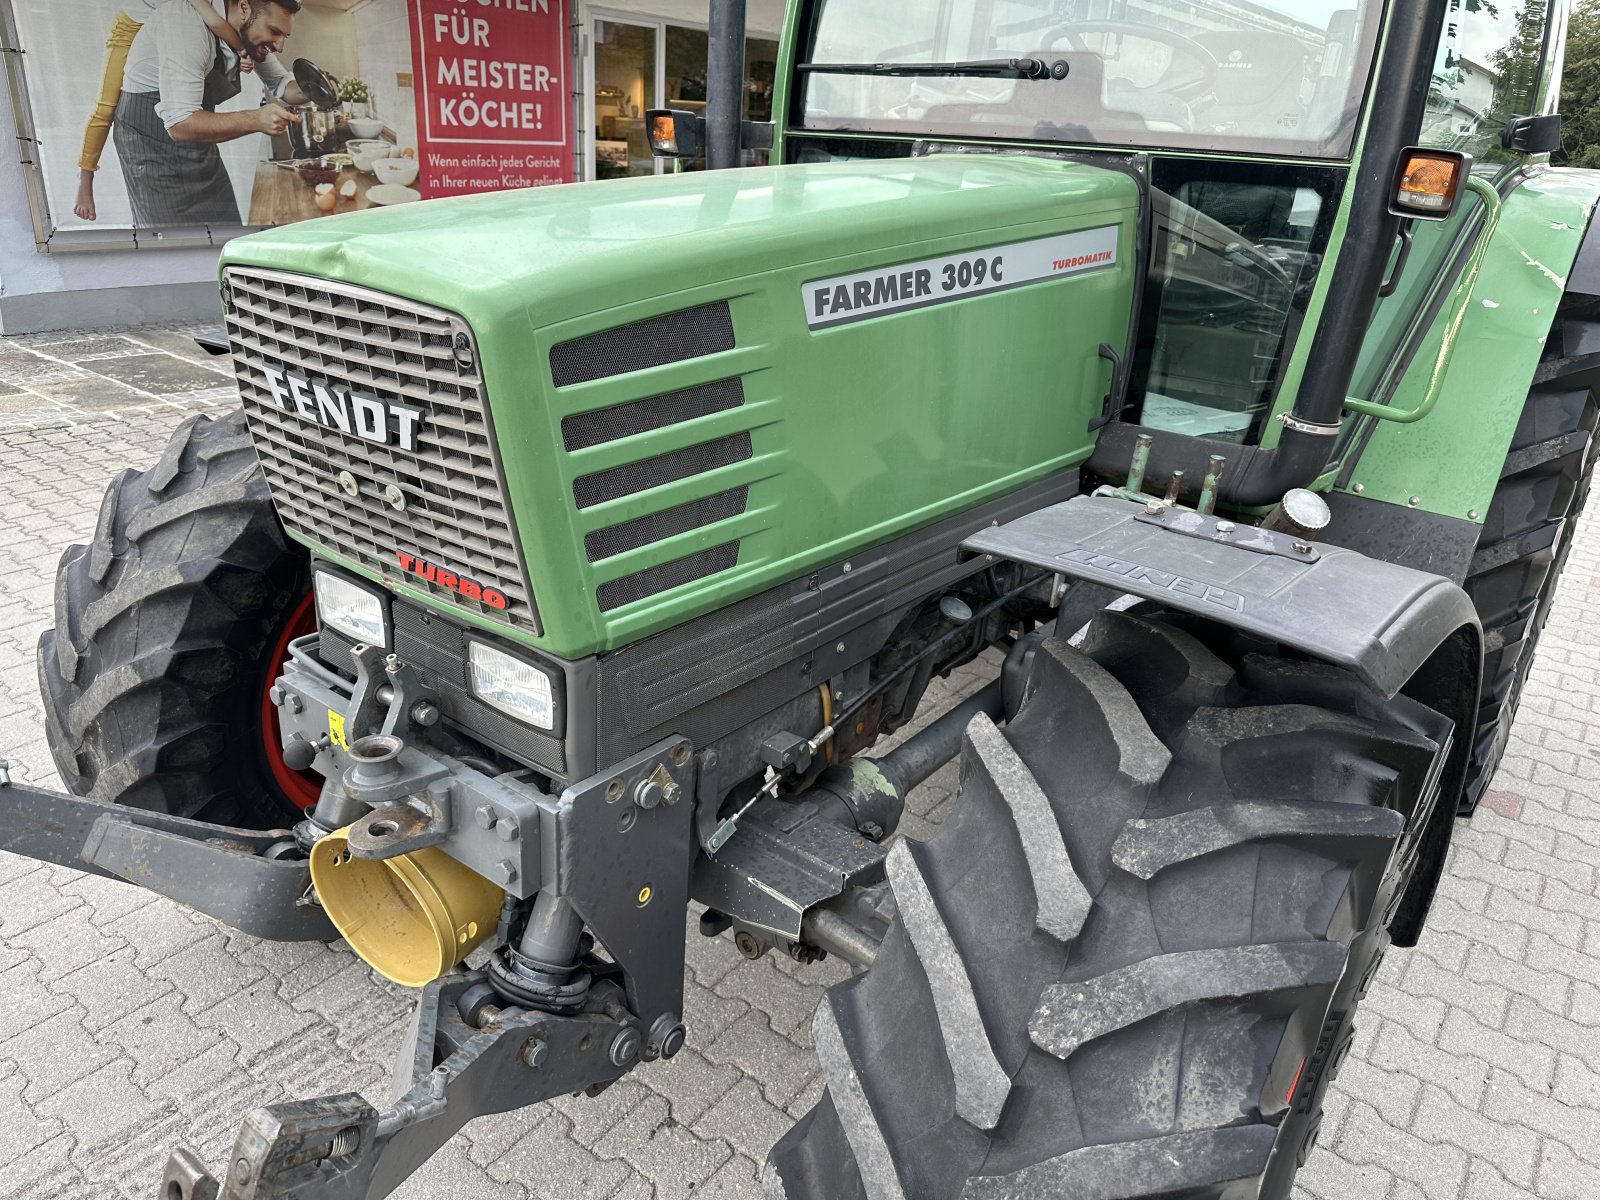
{"x": 171, "y": 182}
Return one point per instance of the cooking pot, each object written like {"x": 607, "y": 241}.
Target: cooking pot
{"x": 319, "y": 116}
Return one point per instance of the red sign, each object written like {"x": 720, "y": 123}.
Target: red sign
{"x": 493, "y": 99}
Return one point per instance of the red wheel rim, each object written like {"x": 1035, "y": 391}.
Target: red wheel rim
{"x": 301, "y": 787}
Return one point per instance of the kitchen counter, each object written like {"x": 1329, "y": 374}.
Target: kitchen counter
{"x": 279, "y": 197}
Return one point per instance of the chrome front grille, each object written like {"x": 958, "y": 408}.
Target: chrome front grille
{"x": 454, "y": 524}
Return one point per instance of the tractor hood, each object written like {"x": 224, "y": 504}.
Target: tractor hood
{"x": 552, "y": 254}
{"x": 703, "y": 385}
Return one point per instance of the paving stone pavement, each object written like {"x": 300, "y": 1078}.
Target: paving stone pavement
{"x": 128, "y": 1025}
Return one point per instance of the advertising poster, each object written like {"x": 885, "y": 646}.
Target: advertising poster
{"x": 492, "y": 94}
{"x": 162, "y": 114}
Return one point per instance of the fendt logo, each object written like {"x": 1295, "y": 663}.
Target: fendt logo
{"x": 348, "y": 411}
{"x": 467, "y": 589}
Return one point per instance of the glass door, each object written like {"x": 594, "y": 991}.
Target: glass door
{"x": 626, "y": 65}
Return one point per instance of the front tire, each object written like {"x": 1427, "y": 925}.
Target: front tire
{"x": 1127, "y": 965}
{"x": 154, "y": 675}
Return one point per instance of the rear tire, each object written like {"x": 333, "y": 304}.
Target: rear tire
{"x": 1528, "y": 529}
{"x": 154, "y": 674}
{"x": 1127, "y": 964}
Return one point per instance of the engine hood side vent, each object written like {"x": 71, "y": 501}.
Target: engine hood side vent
{"x": 638, "y": 545}
{"x": 654, "y": 342}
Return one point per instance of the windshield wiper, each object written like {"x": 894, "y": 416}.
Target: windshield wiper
{"x": 988, "y": 68}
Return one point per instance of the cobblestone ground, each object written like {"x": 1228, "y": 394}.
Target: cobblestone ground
{"x": 128, "y": 1025}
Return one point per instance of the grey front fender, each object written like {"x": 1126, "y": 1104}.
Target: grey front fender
{"x": 1379, "y": 620}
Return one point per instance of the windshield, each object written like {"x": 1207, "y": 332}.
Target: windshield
{"x": 1281, "y": 77}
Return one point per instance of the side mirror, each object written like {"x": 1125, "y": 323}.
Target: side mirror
{"x": 1532, "y": 135}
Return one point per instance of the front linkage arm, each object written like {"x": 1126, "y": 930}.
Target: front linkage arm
{"x": 464, "y": 1058}
{"x": 242, "y": 877}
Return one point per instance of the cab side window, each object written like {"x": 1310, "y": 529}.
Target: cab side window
{"x": 1486, "y": 70}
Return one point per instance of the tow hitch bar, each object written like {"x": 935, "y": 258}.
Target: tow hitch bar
{"x": 254, "y": 881}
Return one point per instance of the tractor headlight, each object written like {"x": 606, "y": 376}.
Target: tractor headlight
{"x": 517, "y": 688}
{"x": 351, "y": 610}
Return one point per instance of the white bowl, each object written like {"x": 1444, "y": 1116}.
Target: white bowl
{"x": 395, "y": 170}
{"x": 365, "y": 127}
{"x": 363, "y": 153}
{"x": 392, "y": 193}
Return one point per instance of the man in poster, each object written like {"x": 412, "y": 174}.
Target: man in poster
{"x": 167, "y": 128}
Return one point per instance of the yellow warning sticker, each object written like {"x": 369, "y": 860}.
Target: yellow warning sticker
{"x": 336, "y": 733}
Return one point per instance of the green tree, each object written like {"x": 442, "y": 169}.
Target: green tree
{"x": 1580, "y": 89}
{"x": 1519, "y": 61}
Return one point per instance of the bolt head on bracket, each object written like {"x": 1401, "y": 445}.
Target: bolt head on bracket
{"x": 625, "y": 1047}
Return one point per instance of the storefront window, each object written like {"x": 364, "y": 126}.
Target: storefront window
{"x": 624, "y": 86}
{"x": 686, "y": 75}
{"x": 629, "y": 59}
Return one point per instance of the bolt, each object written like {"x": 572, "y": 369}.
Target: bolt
{"x": 485, "y": 816}
{"x": 1174, "y": 488}
{"x": 873, "y": 830}
{"x": 506, "y": 871}
{"x": 625, "y": 1047}
{"x": 667, "y": 1035}
{"x": 839, "y": 649}
{"x": 1358, "y": 488}
{"x": 294, "y": 703}
{"x": 275, "y": 694}
{"x": 348, "y": 484}
{"x": 395, "y": 497}
{"x": 671, "y": 793}
{"x": 648, "y": 793}
{"x": 1472, "y": 514}
{"x": 847, "y": 568}
{"x": 424, "y": 714}
{"x": 391, "y": 663}
{"x": 748, "y": 944}
{"x": 1302, "y": 548}
{"x": 346, "y": 1141}
{"x": 1414, "y": 501}
{"x": 1224, "y": 528}
{"x": 507, "y": 831}
{"x": 534, "y": 1052}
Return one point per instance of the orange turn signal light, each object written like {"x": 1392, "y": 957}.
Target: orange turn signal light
{"x": 1428, "y": 183}
{"x": 674, "y": 132}
{"x": 663, "y": 133}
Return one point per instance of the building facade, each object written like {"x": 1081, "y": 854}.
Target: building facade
{"x": 573, "y": 77}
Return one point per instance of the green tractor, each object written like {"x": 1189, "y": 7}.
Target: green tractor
{"x": 1224, "y": 371}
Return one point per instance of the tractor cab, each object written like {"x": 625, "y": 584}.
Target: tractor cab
{"x": 1270, "y": 139}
